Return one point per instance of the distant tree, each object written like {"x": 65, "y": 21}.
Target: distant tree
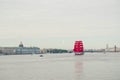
{"x": 57, "y": 51}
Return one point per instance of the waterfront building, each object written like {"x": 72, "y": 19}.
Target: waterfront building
{"x": 7, "y": 50}
{"x": 27, "y": 50}
{"x": 19, "y": 50}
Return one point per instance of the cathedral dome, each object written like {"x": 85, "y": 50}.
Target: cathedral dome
{"x": 21, "y": 44}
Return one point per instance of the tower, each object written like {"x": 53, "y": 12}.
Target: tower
{"x": 107, "y": 47}
{"x": 115, "y": 48}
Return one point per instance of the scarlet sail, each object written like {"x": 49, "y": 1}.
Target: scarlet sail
{"x": 78, "y": 48}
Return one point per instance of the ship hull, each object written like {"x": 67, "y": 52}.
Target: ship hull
{"x": 79, "y": 53}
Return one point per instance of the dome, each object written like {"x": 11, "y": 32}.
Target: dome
{"x": 21, "y": 44}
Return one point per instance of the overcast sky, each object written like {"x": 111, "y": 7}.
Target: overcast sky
{"x": 58, "y": 23}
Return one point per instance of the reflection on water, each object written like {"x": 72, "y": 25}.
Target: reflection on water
{"x": 78, "y": 70}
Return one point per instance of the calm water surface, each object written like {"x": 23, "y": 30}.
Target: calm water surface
{"x": 91, "y": 66}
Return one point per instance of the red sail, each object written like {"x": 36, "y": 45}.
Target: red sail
{"x": 78, "y": 47}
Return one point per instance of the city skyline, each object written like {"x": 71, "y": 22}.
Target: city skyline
{"x": 59, "y": 23}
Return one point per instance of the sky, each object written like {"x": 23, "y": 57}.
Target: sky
{"x": 59, "y": 23}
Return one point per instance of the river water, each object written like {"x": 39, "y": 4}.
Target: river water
{"x": 91, "y": 66}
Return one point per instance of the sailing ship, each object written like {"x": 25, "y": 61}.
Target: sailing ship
{"x": 78, "y": 48}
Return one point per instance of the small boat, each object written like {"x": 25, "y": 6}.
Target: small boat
{"x": 41, "y": 55}
{"x": 78, "y": 48}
